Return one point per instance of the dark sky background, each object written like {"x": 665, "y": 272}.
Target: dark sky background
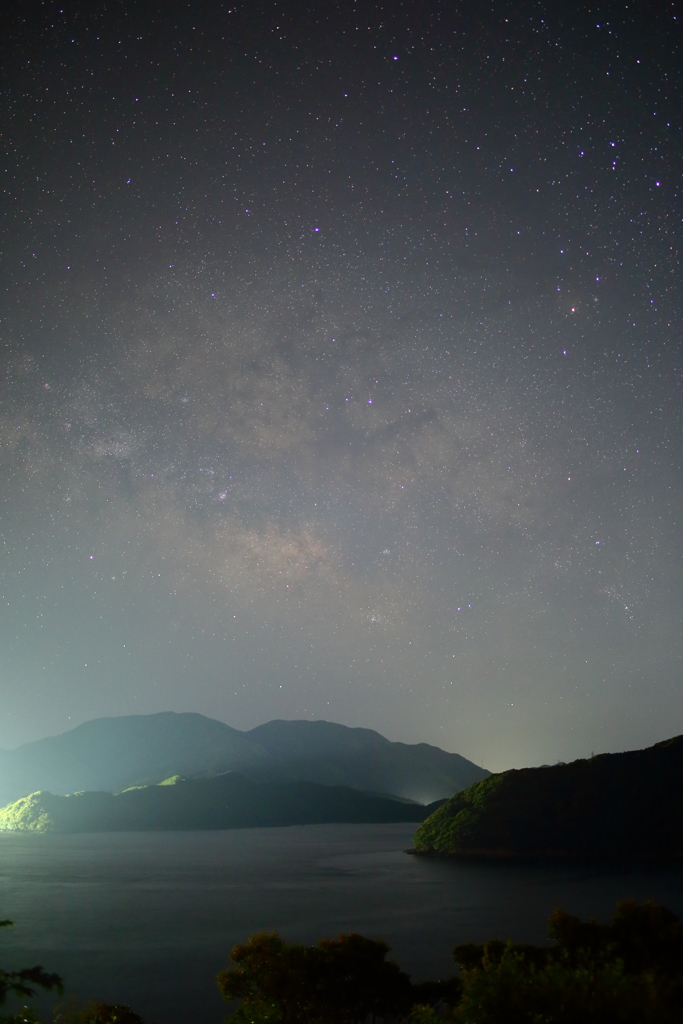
{"x": 341, "y": 369}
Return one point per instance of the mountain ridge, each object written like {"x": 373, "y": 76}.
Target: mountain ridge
{"x": 226, "y": 801}
{"x": 114, "y": 753}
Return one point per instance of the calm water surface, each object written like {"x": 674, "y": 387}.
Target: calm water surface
{"x": 149, "y": 918}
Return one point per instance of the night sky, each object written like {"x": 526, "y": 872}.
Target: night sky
{"x": 341, "y": 369}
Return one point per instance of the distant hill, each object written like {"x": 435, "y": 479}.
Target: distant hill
{"x": 224, "y": 801}
{"x": 115, "y": 753}
{"x": 611, "y": 806}
{"x": 362, "y": 758}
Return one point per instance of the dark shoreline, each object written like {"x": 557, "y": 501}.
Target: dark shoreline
{"x": 548, "y": 857}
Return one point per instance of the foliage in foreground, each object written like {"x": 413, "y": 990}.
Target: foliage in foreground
{"x": 71, "y": 1012}
{"x": 629, "y": 971}
{"x": 340, "y": 980}
{"x": 95, "y": 1012}
{"x": 19, "y": 983}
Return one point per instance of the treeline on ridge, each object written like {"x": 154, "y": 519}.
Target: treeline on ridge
{"x": 612, "y": 806}
{"x": 225, "y": 801}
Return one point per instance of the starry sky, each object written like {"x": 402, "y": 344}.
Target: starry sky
{"x": 341, "y": 353}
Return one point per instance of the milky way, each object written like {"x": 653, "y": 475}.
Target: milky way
{"x": 341, "y": 372}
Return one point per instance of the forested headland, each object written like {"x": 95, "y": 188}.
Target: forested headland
{"x": 612, "y": 806}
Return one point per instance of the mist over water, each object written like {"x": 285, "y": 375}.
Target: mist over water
{"x": 149, "y": 918}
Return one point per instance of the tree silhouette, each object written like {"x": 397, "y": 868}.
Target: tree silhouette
{"x": 339, "y": 981}
{"x": 19, "y": 983}
{"x": 629, "y": 971}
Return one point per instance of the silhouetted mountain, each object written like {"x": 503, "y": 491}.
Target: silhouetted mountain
{"x": 613, "y": 805}
{"x": 362, "y": 758}
{"x": 114, "y": 753}
{"x": 224, "y": 801}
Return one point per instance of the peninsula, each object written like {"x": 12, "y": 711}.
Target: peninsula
{"x": 627, "y": 805}
{"x": 224, "y": 801}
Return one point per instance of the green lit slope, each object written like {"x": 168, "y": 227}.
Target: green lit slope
{"x": 225, "y": 801}
{"x": 613, "y": 805}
